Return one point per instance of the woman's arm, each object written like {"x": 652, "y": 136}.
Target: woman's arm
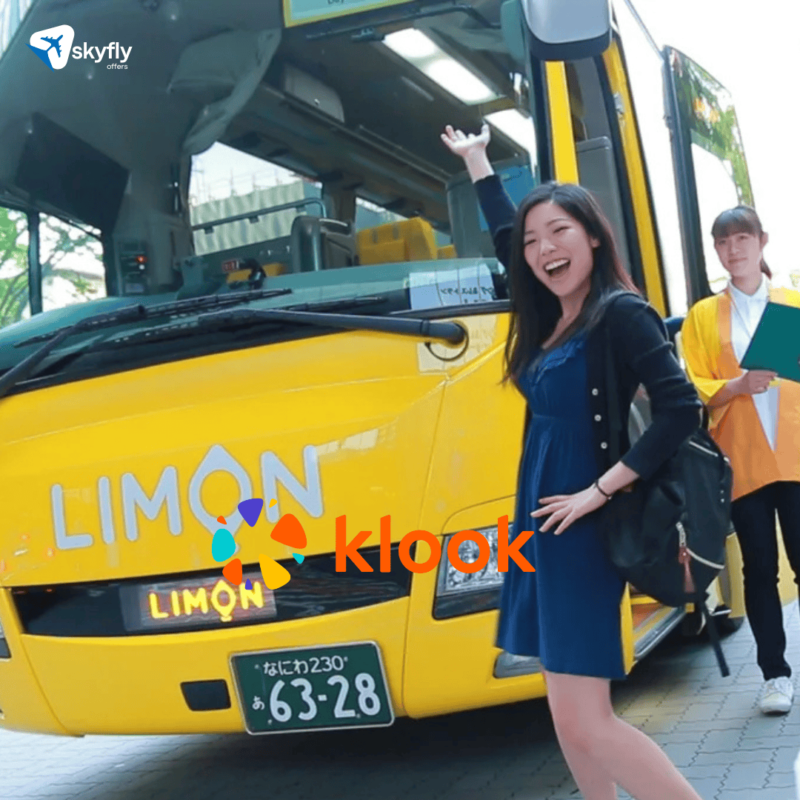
{"x": 640, "y": 343}
{"x": 729, "y": 390}
{"x": 492, "y": 196}
{"x": 754, "y": 381}
{"x": 715, "y": 392}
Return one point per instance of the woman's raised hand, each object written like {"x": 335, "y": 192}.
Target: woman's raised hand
{"x": 466, "y": 144}
{"x": 472, "y": 149}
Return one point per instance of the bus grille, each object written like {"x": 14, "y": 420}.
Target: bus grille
{"x": 103, "y": 609}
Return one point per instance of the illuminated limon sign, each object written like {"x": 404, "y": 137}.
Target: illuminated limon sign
{"x": 298, "y": 12}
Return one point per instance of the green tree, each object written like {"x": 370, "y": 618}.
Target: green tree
{"x": 13, "y": 266}
{"x": 59, "y": 241}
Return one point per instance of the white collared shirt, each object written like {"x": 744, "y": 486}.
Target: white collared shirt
{"x": 745, "y": 315}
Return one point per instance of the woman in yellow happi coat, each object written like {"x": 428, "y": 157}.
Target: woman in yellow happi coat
{"x": 755, "y": 419}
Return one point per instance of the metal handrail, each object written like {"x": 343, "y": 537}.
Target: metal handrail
{"x": 208, "y": 227}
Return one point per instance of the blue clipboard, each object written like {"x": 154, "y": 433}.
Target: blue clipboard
{"x": 776, "y": 343}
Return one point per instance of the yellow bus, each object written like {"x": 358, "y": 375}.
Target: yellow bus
{"x": 239, "y": 264}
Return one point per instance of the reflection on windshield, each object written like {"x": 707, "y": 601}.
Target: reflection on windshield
{"x": 721, "y": 175}
{"x": 306, "y": 158}
{"x": 350, "y": 191}
{"x": 708, "y": 108}
{"x": 716, "y": 192}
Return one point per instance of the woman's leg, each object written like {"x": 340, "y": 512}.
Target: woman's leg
{"x": 754, "y": 519}
{"x": 788, "y": 504}
{"x": 603, "y": 750}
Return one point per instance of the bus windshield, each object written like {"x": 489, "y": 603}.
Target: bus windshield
{"x": 225, "y": 147}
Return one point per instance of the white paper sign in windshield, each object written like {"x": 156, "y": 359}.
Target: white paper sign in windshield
{"x": 451, "y": 287}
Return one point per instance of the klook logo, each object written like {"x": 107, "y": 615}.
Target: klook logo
{"x": 289, "y": 532}
{"x": 53, "y": 45}
{"x": 505, "y": 550}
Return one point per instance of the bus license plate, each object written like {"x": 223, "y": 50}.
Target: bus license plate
{"x": 317, "y": 688}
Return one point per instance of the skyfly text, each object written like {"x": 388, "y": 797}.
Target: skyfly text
{"x": 345, "y": 549}
{"x": 96, "y": 54}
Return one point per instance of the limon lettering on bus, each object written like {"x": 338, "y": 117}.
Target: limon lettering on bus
{"x": 221, "y": 599}
{"x": 345, "y": 549}
{"x": 130, "y": 500}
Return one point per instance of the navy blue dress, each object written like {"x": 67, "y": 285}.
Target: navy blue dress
{"x": 567, "y": 612}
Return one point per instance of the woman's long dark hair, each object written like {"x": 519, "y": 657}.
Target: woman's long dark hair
{"x": 535, "y": 310}
{"x": 741, "y": 219}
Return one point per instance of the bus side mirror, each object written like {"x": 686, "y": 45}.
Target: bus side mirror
{"x": 565, "y": 30}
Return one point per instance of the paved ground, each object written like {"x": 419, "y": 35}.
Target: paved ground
{"x": 709, "y": 725}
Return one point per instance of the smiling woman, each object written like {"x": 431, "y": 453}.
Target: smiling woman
{"x": 561, "y": 254}
{"x": 755, "y": 419}
{"x": 572, "y": 302}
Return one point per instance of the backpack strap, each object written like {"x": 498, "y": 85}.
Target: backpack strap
{"x": 713, "y": 634}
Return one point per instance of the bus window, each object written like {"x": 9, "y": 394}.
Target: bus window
{"x": 645, "y": 71}
{"x": 335, "y": 168}
{"x": 227, "y": 183}
{"x": 242, "y": 206}
{"x": 713, "y": 161}
{"x": 716, "y": 191}
{"x": 71, "y": 260}
{"x": 14, "y": 298}
{"x": 342, "y": 187}
{"x": 598, "y": 163}
{"x": 70, "y": 266}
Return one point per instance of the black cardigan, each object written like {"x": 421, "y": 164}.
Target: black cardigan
{"x": 642, "y": 355}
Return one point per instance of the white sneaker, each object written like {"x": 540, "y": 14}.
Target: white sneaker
{"x": 776, "y": 697}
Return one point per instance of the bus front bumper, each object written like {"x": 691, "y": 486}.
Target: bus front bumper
{"x": 133, "y": 684}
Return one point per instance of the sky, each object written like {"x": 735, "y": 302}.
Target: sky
{"x": 752, "y": 49}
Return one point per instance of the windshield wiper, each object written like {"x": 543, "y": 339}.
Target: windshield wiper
{"x": 188, "y": 305}
{"x": 450, "y": 332}
{"x": 299, "y": 315}
{"x": 133, "y": 313}
{"x": 177, "y": 330}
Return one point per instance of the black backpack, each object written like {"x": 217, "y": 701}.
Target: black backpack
{"x": 666, "y": 535}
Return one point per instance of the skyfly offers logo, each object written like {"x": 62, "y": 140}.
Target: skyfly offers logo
{"x": 54, "y": 46}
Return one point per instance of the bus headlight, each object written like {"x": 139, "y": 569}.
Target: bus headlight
{"x": 460, "y": 592}
{"x": 4, "y": 651}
